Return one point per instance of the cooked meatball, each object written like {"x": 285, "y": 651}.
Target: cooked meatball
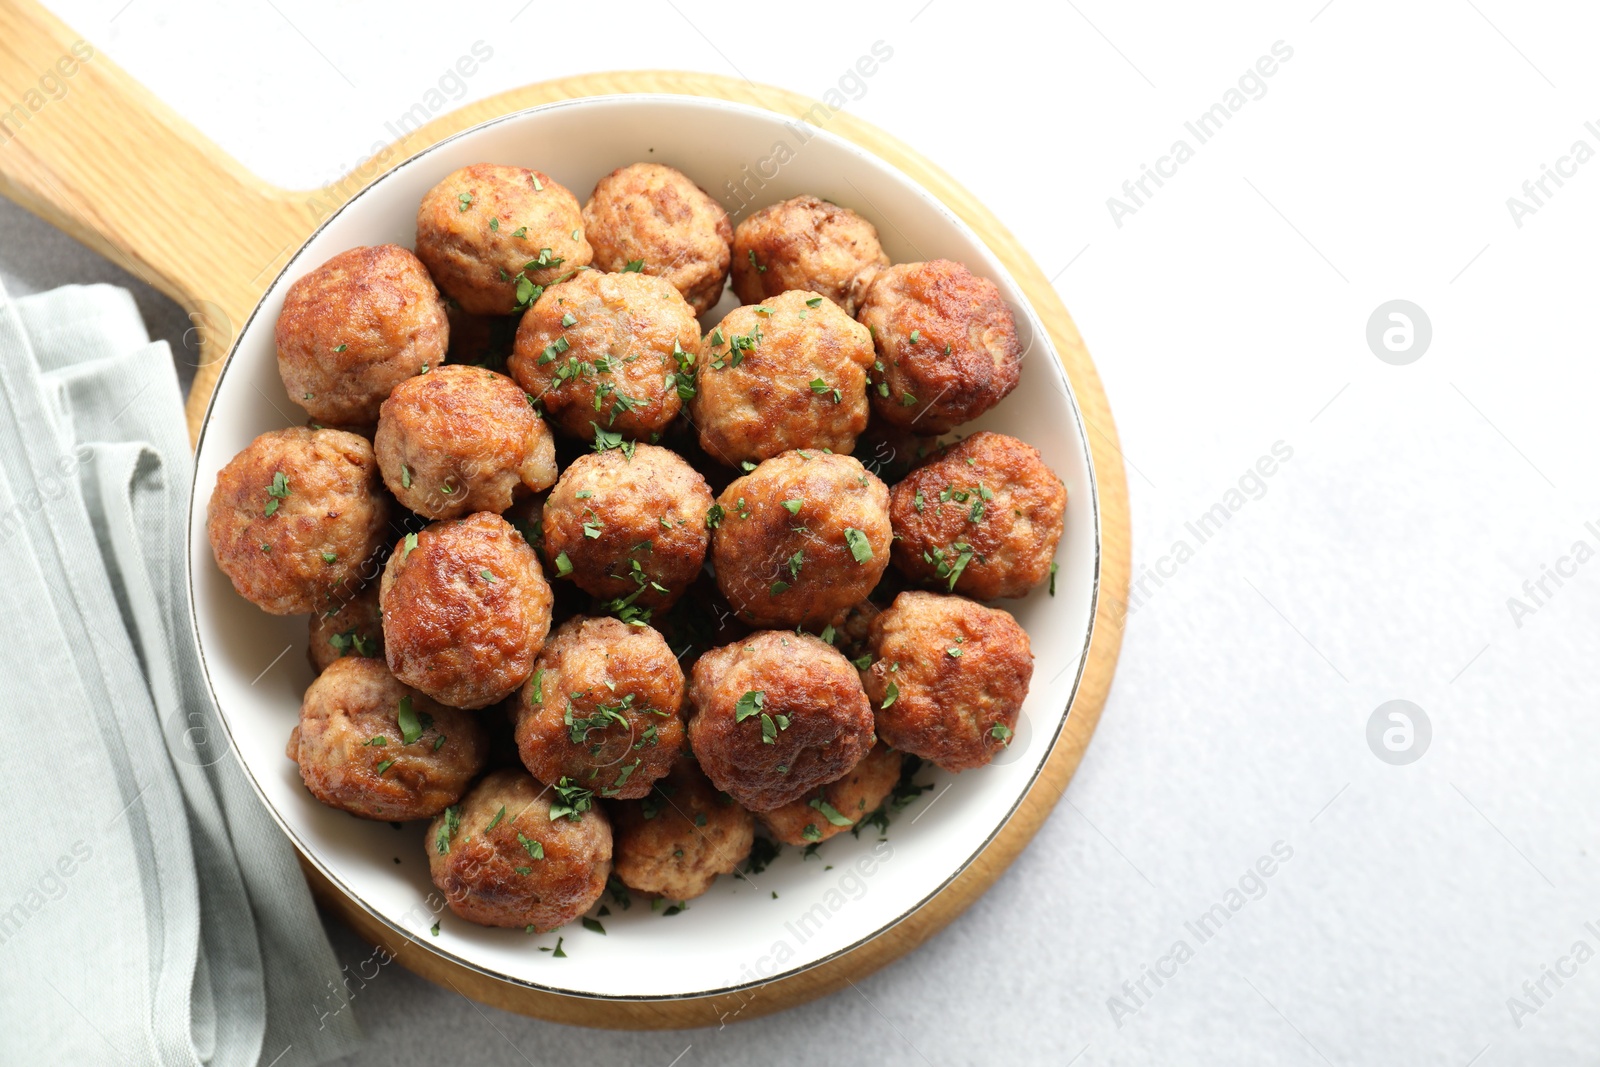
{"x": 356, "y": 327}
{"x": 787, "y": 373}
{"x": 800, "y": 539}
{"x": 371, "y": 746}
{"x": 776, "y": 715}
{"x": 839, "y": 805}
{"x": 675, "y": 841}
{"x": 462, "y": 439}
{"x": 948, "y": 679}
{"x": 628, "y": 528}
{"x": 806, "y": 243}
{"x": 352, "y": 627}
{"x": 604, "y": 707}
{"x": 947, "y": 345}
{"x": 296, "y": 516}
{"x": 982, "y": 519}
{"x": 603, "y": 352}
{"x": 492, "y": 235}
{"x": 655, "y": 216}
{"x": 512, "y": 855}
{"x": 465, "y": 610}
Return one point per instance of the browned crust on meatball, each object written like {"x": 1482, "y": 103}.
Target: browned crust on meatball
{"x": 604, "y": 707}
{"x": 485, "y": 226}
{"x": 783, "y": 563}
{"x": 790, "y": 372}
{"x": 655, "y": 214}
{"x": 610, "y": 511}
{"x": 604, "y": 350}
{"x": 462, "y": 439}
{"x": 849, "y": 800}
{"x": 947, "y": 345}
{"x": 356, "y": 327}
{"x": 760, "y": 762}
{"x": 949, "y": 678}
{"x": 806, "y": 243}
{"x": 352, "y": 751}
{"x": 465, "y": 610}
{"x": 677, "y": 840}
{"x": 353, "y": 627}
{"x": 293, "y": 553}
{"x": 1009, "y": 547}
{"x": 491, "y": 877}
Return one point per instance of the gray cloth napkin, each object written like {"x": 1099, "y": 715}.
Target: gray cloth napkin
{"x": 150, "y": 910}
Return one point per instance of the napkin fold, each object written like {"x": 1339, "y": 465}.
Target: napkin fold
{"x": 151, "y": 912}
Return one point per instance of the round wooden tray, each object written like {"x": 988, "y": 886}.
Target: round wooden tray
{"x": 117, "y": 169}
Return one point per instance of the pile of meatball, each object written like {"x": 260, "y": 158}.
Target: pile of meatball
{"x": 597, "y": 591}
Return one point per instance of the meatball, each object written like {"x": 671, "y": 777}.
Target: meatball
{"x": 800, "y": 539}
{"x": 839, "y": 805}
{"x": 947, "y": 345}
{"x": 608, "y": 353}
{"x": 353, "y": 627}
{"x": 368, "y": 745}
{"x": 982, "y": 519}
{"x": 604, "y": 707}
{"x": 465, "y": 610}
{"x": 776, "y": 715}
{"x": 788, "y": 373}
{"x": 677, "y": 840}
{"x": 356, "y": 327}
{"x": 296, "y": 516}
{"x": 655, "y": 216}
{"x": 949, "y": 678}
{"x": 517, "y": 853}
{"x": 492, "y": 235}
{"x": 628, "y": 528}
{"x": 806, "y": 243}
{"x": 462, "y": 439}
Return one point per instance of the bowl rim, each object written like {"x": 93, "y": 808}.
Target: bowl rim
{"x": 1041, "y": 334}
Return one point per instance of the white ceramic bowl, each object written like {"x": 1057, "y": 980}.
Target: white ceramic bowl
{"x": 798, "y": 912}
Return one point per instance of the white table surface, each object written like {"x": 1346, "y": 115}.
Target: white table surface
{"x": 1227, "y": 314}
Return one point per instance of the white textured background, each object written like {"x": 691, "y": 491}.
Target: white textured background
{"x": 1226, "y": 315}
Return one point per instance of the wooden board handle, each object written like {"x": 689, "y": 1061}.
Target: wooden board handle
{"x": 89, "y": 150}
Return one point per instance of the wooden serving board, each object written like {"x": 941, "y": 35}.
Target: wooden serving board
{"x": 117, "y": 169}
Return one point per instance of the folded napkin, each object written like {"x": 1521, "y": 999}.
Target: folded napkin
{"x": 150, "y": 910}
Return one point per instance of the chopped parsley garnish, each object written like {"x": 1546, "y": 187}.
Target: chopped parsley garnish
{"x": 863, "y": 662}
{"x": 496, "y": 820}
{"x": 340, "y": 348}
{"x": 1001, "y": 732}
{"x": 563, "y": 565}
{"x": 593, "y": 925}
{"x": 749, "y": 704}
{"x": 533, "y": 848}
{"x": 466, "y": 200}
{"x": 811, "y": 833}
{"x": 1053, "y": 568}
{"x": 815, "y": 301}
{"x": 860, "y": 547}
{"x": 330, "y": 557}
{"x": 794, "y": 505}
{"x": 752, "y": 254}
{"x": 538, "y": 686}
{"x": 276, "y": 491}
{"x": 822, "y": 388}
{"x": 447, "y": 829}
{"x": 635, "y": 266}
{"x": 830, "y": 812}
{"x": 379, "y": 740}
{"x": 410, "y": 727}
{"x": 410, "y": 544}
{"x": 778, "y": 587}
{"x": 916, "y": 335}
{"x": 405, "y": 476}
{"x": 889, "y": 695}
{"x": 575, "y": 800}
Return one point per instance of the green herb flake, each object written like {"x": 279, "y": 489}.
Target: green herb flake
{"x": 1054, "y": 566}
{"x": 466, "y": 200}
{"x": 447, "y": 829}
{"x": 815, "y": 301}
{"x": 889, "y": 695}
{"x": 830, "y": 812}
{"x": 749, "y": 704}
{"x": 487, "y": 575}
{"x": 410, "y": 545}
{"x": 794, "y": 505}
{"x": 410, "y": 728}
{"x": 635, "y": 266}
{"x": 1001, "y": 732}
{"x": 752, "y": 254}
{"x": 496, "y": 820}
{"x": 534, "y": 849}
{"x": 593, "y": 925}
{"x": 575, "y": 800}
{"x": 330, "y": 557}
{"x": 860, "y": 547}
{"x": 563, "y": 565}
